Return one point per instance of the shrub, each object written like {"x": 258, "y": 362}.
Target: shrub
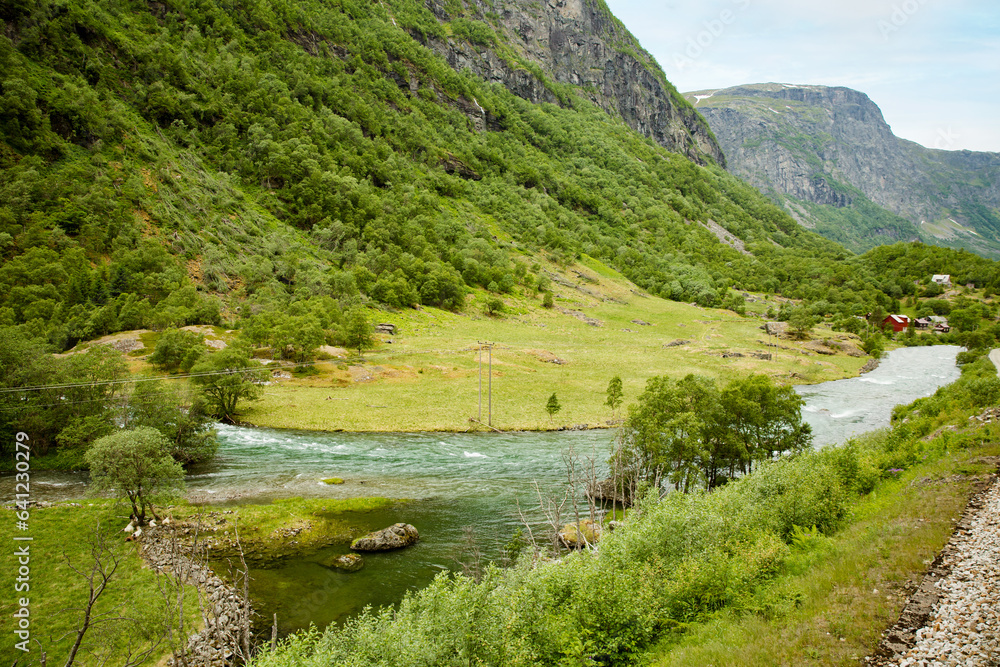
{"x": 494, "y": 306}
{"x": 855, "y": 465}
{"x": 174, "y": 349}
{"x": 802, "y": 491}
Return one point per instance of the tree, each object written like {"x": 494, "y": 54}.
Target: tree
{"x": 547, "y": 301}
{"x": 228, "y": 377}
{"x": 128, "y": 629}
{"x": 877, "y": 317}
{"x": 801, "y": 321}
{"x": 874, "y": 345}
{"x": 764, "y": 419}
{"x": 181, "y": 416}
{"x": 75, "y": 409}
{"x": 615, "y": 394}
{"x": 494, "y": 305}
{"x": 176, "y": 348}
{"x": 667, "y": 435}
{"x": 964, "y": 319}
{"x": 689, "y": 433}
{"x": 552, "y": 406}
{"x": 298, "y": 338}
{"x": 735, "y": 302}
{"x": 358, "y": 333}
{"x": 135, "y": 464}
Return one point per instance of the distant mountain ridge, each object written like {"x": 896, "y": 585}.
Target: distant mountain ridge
{"x": 828, "y": 156}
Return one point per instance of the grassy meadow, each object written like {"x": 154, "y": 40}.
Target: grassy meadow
{"x": 129, "y": 617}
{"x": 427, "y": 378}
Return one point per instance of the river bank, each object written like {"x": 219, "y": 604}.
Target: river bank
{"x": 433, "y": 376}
{"x": 852, "y": 586}
{"x": 823, "y": 596}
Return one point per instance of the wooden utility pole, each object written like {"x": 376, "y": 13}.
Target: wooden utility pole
{"x": 489, "y": 392}
{"x": 489, "y": 383}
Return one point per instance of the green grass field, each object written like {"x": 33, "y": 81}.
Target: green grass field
{"x": 129, "y": 615}
{"x": 428, "y": 377}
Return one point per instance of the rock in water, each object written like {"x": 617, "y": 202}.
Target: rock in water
{"x": 396, "y": 536}
{"x": 348, "y": 562}
{"x": 610, "y": 489}
{"x": 575, "y": 536}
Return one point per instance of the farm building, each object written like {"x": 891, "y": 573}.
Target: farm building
{"x": 897, "y": 322}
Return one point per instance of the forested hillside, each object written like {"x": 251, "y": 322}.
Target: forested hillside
{"x": 282, "y": 168}
{"x": 199, "y": 162}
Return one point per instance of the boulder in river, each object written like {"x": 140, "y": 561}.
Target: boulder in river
{"x": 347, "y": 562}
{"x": 578, "y": 535}
{"x": 396, "y": 536}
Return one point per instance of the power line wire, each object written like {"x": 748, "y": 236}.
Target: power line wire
{"x": 134, "y": 380}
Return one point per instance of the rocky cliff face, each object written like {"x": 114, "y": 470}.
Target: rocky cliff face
{"x": 816, "y": 148}
{"x": 577, "y": 42}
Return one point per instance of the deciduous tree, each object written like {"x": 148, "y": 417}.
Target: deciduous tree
{"x": 358, "y": 333}
{"x": 228, "y": 377}
{"x": 180, "y": 415}
{"x": 615, "y": 394}
{"x": 137, "y": 465}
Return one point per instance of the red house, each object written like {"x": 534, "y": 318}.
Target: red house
{"x": 897, "y": 322}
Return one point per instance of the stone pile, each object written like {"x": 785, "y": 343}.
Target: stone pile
{"x": 988, "y": 416}
{"x": 223, "y": 612}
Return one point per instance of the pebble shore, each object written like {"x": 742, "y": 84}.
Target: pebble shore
{"x": 962, "y": 627}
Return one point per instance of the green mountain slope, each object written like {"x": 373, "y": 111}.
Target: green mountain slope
{"x": 830, "y": 159}
{"x": 199, "y": 162}
{"x": 287, "y": 151}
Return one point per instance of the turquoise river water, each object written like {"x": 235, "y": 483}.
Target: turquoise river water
{"x": 454, "y": 482}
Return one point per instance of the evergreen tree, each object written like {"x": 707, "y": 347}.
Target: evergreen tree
{"x": 552, "y": 406}
{"x": 358, "y": 332}
{"x": 615, "y": 394}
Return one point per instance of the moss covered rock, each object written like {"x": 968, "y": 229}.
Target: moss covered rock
{"x": 578, "y": 535}
{"x": 347, "y": 562}
{"x": 396, "y": 536}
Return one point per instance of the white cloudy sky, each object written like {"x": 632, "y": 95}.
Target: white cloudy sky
{"x": 932, "y": 66}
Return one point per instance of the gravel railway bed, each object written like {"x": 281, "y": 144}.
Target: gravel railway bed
{"x": 953, "y": 618}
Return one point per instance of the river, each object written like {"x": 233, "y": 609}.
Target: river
{"x": 838, "y": 409}
{"x": 454, "y": 481}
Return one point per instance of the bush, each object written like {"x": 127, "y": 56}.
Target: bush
{"x": 494, "y": 306}
{"x": 177, "y": 349}
{"x": 803, "y": 491}
{"x": 969, "y": 356}
{"x": 856, "y": 466}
